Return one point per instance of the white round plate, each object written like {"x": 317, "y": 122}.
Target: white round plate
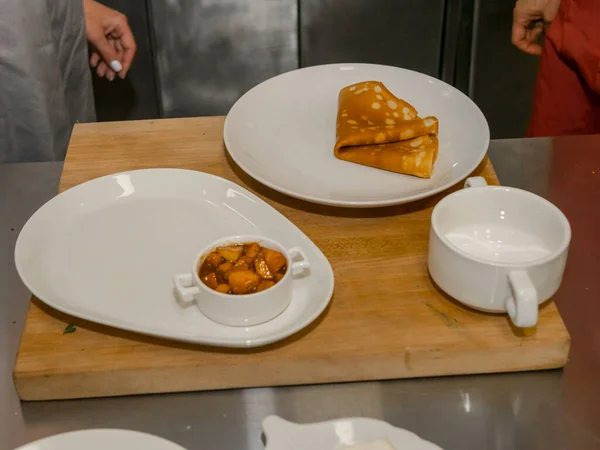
{"x": 107, "y": 251}
{"x": 101, "y": 439}
{"x": 284, "y": 435}
{"x": 282, "y": 133}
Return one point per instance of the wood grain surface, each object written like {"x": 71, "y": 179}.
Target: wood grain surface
{"x": 386, "y": 320}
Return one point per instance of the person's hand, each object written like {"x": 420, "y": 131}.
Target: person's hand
{"x": 113, "y": 43}
{"x": 530, "y": 18}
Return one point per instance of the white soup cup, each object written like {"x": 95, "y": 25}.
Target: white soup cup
{"x": 498, "y": 249}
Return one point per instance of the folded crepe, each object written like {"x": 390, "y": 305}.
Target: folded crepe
{"x": 377, "y": 129}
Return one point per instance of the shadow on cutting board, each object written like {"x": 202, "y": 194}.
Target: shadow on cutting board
{"x": 336, "y": 211}
{"x": 129, "y": 335}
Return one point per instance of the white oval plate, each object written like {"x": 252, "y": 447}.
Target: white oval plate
{"x": 282, "y": 133}
{"x": 107, "y": 250}
{"x": 284, "y": 435}
{"x": 102, "y": 439}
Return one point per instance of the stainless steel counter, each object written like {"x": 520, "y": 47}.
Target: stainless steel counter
{"x": 535, "y": 410}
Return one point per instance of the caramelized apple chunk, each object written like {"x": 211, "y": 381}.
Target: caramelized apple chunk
{"x": 275, "y": 260}
{"x": 231, "y": 253}
{"x": 252, "y": 249}
{"x": 223, "y": 288}
{"x": 243, "y": 282}
{"x": 261, "y": 267}
{"x": 210, "y": 279}
{"x": 214, "y": 259}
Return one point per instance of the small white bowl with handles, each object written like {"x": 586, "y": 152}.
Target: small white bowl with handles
{"x": 241, "y": 310}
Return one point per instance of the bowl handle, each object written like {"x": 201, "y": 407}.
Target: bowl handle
{"x": 185, "y": 290}
{"x": 522, "y": 306}
{"x": 301, "y": 266}
{"x": 475, "y": 182}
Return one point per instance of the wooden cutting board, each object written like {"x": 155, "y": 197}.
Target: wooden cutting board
{"x": 386, "y": 320}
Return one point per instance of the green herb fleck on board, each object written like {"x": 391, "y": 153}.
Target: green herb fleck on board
{"x": 69, "y": 329}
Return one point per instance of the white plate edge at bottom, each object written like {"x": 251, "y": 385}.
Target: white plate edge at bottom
{"x": 38, "y": 444}
{"x": 254, "y": 343}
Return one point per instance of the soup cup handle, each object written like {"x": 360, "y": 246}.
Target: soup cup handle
{"x": 522, "y": 306}
{"x": 185, "y": 290}
{"x": 301, "y": 265}
{"x": 475, "y": 182}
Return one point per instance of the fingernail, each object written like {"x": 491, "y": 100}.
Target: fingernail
{"x": 116, "y": 66}
{"x": 111, "y": 76}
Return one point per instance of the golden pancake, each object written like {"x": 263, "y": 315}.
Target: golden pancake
{"x": 377, "y": 129}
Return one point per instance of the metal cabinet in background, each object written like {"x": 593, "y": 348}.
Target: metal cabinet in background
{"x": 209, "y": 52}
{"x": 197, "y": 57}
{"x": 403, "y": 33}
